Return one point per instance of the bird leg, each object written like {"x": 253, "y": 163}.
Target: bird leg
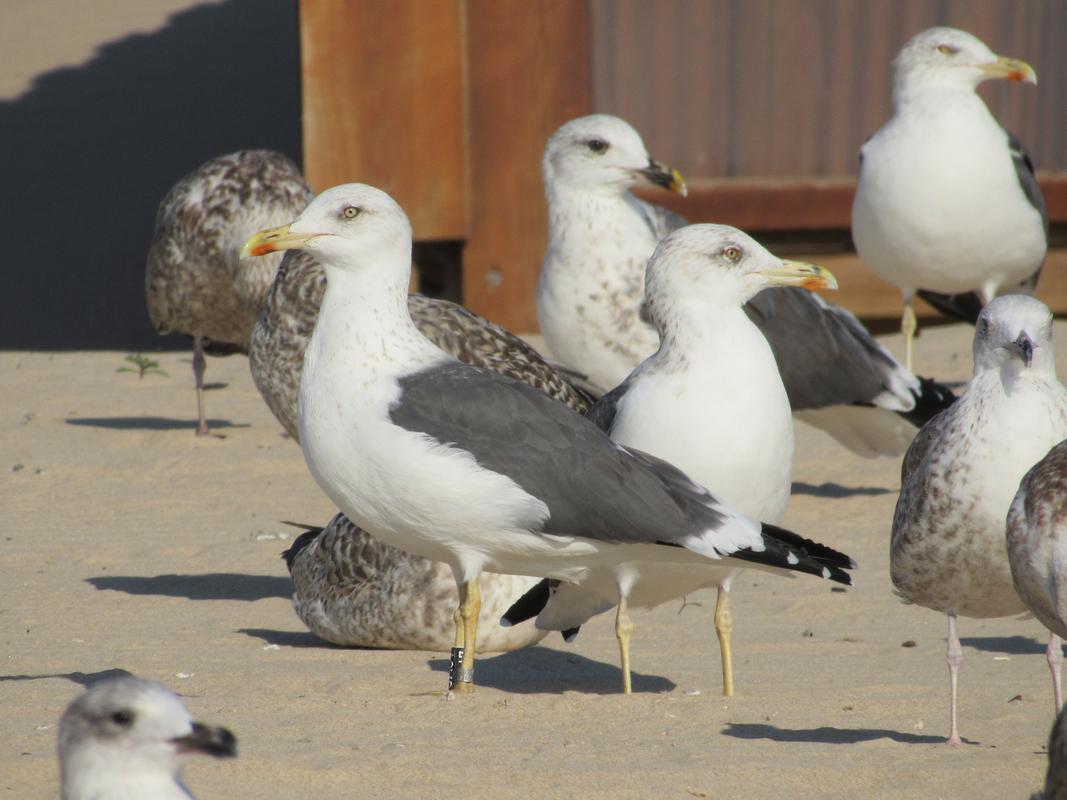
{"x": 724, "y": 627}
{"x": 470, "y": 605}
{"x": 1055, "y": 666}
{"x": 623, "y": 630}
{"x": 908, "y": 326}
{"x": 199, "y": 365}
{"x": 955, "y": 658}
{"x": 456, "y": 661}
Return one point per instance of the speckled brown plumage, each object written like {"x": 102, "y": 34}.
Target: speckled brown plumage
{"x": 962, "y": 471}
{"x": 195, "y": 282}
{"x": 350, "y": 588}
{"x": 1037, "y": 536}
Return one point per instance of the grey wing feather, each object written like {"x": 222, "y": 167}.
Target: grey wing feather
{"x": 592, "y": 487}
{"x": 824, "y": 354}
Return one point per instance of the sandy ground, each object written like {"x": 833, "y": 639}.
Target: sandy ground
{"x": 128, "y": 543}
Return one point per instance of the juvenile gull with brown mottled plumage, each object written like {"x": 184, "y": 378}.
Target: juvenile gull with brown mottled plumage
{"x": 196, "y": 283}
{"x": 1037, "y": 540}
{"x": 960, "y": 474}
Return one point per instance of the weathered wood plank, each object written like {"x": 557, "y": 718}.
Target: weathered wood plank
{"x": 383, "y": 104}
{"x": 528, "y": 73}
{"x": 756, "y": 204}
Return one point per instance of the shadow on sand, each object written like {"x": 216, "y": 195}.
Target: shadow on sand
{"x": 542, "y": 670}
{"x": 212, "y": 586}
{"x": 81, "y": 678}
{"x": 825, "y": 734}
{"x": 1014, "y": 645}
{"x": 150, "y": 423}
{"x": 836, "y": 491}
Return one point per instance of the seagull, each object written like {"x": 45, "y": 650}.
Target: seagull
{"x": 196, "y": 283}
{"x": 462, "y": 465}
{"x": 349, "y": 587}
{"x": 127, "y": 738}
{"x": 946, "y": 199}
{"x": 710, "y": 401}
{"x": 590, "y": 298}
{"x": 1037, "y": 534}
{"x": 961, "y": 473}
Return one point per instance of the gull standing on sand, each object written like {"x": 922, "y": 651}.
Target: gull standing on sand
{"x": 462, "y": 465}
{"x": 1037, "y": 542}
{"x": 961, "y": 473}
{"x": 590, "y": 298}
{"x": 127, "y": 739}
{"x": 946, "y": 199}
{"x": 196, "y": 282}
{"x": 710, "y": 401}
{"x": 350, "y": 588}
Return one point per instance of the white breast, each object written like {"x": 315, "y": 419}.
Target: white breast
{"x": 939, "y": 205}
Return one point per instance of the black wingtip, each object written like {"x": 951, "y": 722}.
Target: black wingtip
{"x": 791, "y": 551}
{"x": 570, "y": 634}
{"x": 965, "y": 306}
{"x": 931, "y": 399}
{"x": 529, "y": 605}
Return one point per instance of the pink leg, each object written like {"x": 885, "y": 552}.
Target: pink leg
{"x": 955, "y": 658}
{"x": 199, "y": 365}
{"x": 1055, "y": 666}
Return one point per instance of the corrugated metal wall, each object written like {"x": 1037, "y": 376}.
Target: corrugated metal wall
{"x": 752, "y": 88}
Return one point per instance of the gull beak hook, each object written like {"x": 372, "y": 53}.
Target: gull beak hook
{"x": 1011, "y": 69}
{"x": 275, "y": 239}
{"x": 661, "y": 175}
{"x": 798, "y": 273}
{"x": 1023, "y": 347}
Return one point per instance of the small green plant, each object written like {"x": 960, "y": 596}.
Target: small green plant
{"x": 142, "y": 365}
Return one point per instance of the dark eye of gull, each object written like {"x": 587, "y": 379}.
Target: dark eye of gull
{"x": 947, "y": 49}
{"x": 351, "y": 212}
{"x": 598, "y": 146}
{"x": 732, "y": 253}
{"x": 983, "y": 327}
{"x": 123, "y": 718}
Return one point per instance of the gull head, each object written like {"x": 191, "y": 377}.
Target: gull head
{"x": 128, "y": 732}
{"x": 603, "y": 152}
{"x": 718, "y": 264}
{"x": 1014, "y": 334}
{"x": 346, "y": 227}
{"x": 951, "y": 58}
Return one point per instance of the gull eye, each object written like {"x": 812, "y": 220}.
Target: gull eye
{"x": 351, "y": 212}
{"x": 983, "y": 327}
{"x": 732, "y": 253}
{"x": 123, "y": 718}
{"x": 598, "y": 146}
{"x": 947, "y": 49}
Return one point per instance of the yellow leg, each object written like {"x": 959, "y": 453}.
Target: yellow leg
{"x": 908, "y": 326}
{"x": 458, "y": 619}
{"x": 623, "y": 630}
{"x": 724, "y": 628}
{"x": 470, "y": 605}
